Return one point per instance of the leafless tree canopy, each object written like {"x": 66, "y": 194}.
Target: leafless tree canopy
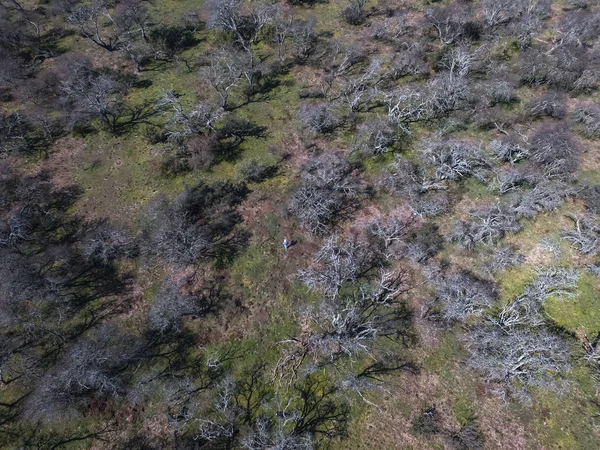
{"x": 463, "y": 296}
{"x": 328, "y": 192}
{"x": 200, "y": 223}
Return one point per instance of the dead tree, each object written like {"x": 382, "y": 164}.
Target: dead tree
{"x": 463, "y": 296}
{"x": 329, "y": 191}
{"x": 338, "y": 262}
{"x": 453, "y": 160}
{"x": 527, "y": 308}
{"x": 131, "y": 17}
{"x": 224, "y": 72}
{"x": 589, "y": 117}
{"x": 89, "y": 19}
{"x": 449, "y": 22}
{"x": 586, "y": 235}
{"x": 545, "y": 196}
{"x": 520, "y": 360}
{"x": 509, "y": 150}
{"x": 227, "y": 15}
{"x": 555, "y": 149}
{"x": 490, "y": 224}
{"x": 350, "y": 324}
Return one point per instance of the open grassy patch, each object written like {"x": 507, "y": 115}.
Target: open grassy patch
{"x": 581, "y": 313}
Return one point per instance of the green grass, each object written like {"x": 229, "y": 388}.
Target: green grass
{"x": 440, "y": 359}
{"x": 463, "y": 410}
{"x": 254, "y": 267}
{"x": 580, "y": 313}
{"x": 513, "y": 281}
{"x": 562, "y": 422}
{"x": 477, "y": 190}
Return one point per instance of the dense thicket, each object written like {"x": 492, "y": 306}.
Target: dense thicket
{"x": 424, "y": 146}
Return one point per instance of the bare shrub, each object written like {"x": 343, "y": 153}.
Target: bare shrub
{"x": 328, "y": 192}
{"x": 554, "y": 147}
{"x": 462, "y": 296}
{"x": 545, "y": 196}
{"x": 509, "y": 150}
{"x": 519, "y": 360}
{"x": 490, "y": 224}
{"x": 453, "y": 160}
{"x": 589, "y": 117}
{"x": 340, "y": 261}
{"x": 586, "y": 235}
{"x": 318, "y": 118}
{"x": 552, "y": 105}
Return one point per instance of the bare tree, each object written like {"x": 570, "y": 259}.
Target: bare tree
{"x": 354, "y": 13}
{"x": 390, "y": 231}
{"x": 552, "y": 105}
{"x": 554, "y": 147}
{"x": 305, "y": 38}
{"x": 445, "y": 94}
{"x": 499, "y": 12}
{"x": 453, "y": 160}
{"x": 519, "y": 360}
{"x": 586, "y": 235}
{"x": 131, "y": 17}
{"x": 283, "y": 28}
{"x": 340, "y": 261}
{"x": 350, "y": 324}
{"x": 449, "y": 22}
{"x": 545, "y": 196}
{"x": 411, "y": 62}
{"x": 589, "y": 117}
{"x": 527, "y": 308}
{"x": 502, "y": 258}
{"x": 92, "y": 368}
{"x": 183, "y": 124}
{"x": 90, "y": 19}
{"x": 170, "y": 306}
{"x": 376, "y": 137}
{"x": 463, "y": 296}
{"x": 268, "y": 434}
{"x": 227, "y": 15}
{"x": 318, "y": 118}
{"x": 509, "y": 150}
{"x": 200, "y": 223}
{"x": 328, "y": 192}
{"x": 13, "y": 133}
{"x": 459, "y": 60}
{"x": 107, "y": 243}
{"x": 224, "y": 72}
{"x": 489, "y": 225}
{"x": 222, "y": 424}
